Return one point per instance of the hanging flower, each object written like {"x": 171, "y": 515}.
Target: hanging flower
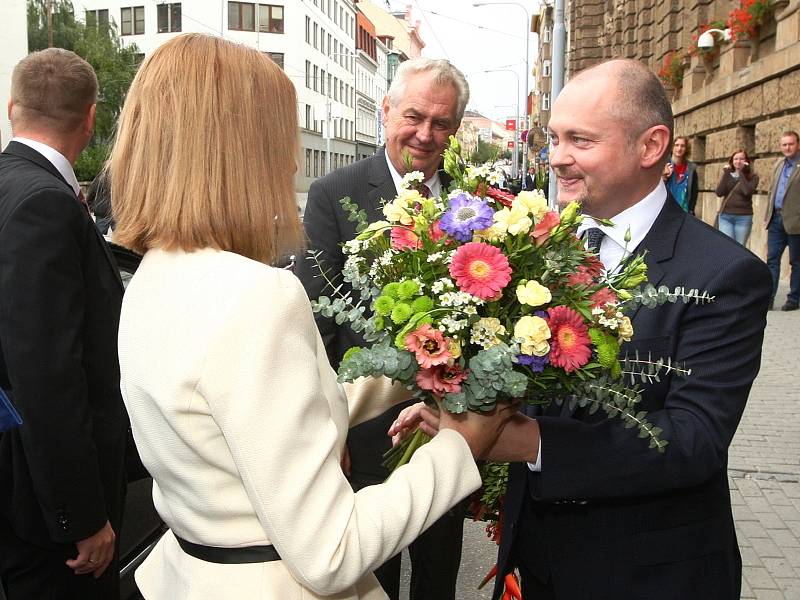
{"x": 480, "y": 269}
{"x": 570, "y": 346}
{"x": 465, "y": 215}
{"x": 441, "y": 379}
{"x": 428, "y": 345}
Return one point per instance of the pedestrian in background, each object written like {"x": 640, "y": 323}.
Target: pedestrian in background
{"x": 736, "y": 187}
{"x": 680, "y": 175}
{"x": 783, "y": 219}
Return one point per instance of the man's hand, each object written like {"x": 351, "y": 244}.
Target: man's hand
{"x": 667, "y": 171}
{"x": 480, "y": 430}
{"x": 518, "y": 442}
{"x": 94, "y": 553}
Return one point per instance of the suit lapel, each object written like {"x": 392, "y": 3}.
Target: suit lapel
{"x": 381, "y": 184}
{"x": 28, "y": 153}
{"x": 658, "y": 245}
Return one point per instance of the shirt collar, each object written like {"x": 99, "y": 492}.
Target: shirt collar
{"x": 434, "y": 183}
{"x": 58, "y": 160}
{"x": 639, "y": 218}
{"x": 791, "y": 161}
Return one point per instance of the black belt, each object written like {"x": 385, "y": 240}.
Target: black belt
{"x": 230, "y": 556}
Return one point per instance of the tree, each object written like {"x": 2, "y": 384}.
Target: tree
{"x": 114, "y": 64}
{"x": 484, "y": 153}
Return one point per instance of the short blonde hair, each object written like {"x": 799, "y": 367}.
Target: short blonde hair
{"x": 206, "y": 153}
{"x": 52, "y": 88}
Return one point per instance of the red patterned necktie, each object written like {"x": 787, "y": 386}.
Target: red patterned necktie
{"x": 82, "y": 200}
{"x": 424, "y": 191}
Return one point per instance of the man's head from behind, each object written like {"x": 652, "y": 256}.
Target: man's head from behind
{"x": 53, "y": 92}
{"x": 422, "y": 109}
{"x": 611, "y": 129}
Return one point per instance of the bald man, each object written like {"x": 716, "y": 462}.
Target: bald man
{"x": 600, "y": 515}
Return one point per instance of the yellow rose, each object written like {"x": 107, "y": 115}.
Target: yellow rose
{"x": 493, "y": 234}
{"x": 534, "y": 333}
{"x": 533, "y": 293}
{"x": 514, "y": 220}
{"x": 625, "y": 330}
{"x": 397, "y": 212}
{"x": 534, "y": 202}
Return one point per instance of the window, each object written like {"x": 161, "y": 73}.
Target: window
{"x": 545, "y": 101}
{"x": 308, "y": 120}
{"x": 241, "y": 16}
{"x": 546, "y": 68}
{"x": 322, "y": 83}
{"x": 316, "y": 78}
{"x": 546, "y": 35}
{"x": 335, "y": 90}
{"x": 322, "y": 163}
{"x": 308, "y": 162}
{"x": 169, "y": 17}
{"x": 316, "y": 163}
{"x": 335, "y": 15}
{"x": 132, "y": 20}
{"x": 97, "y": 18}
{"x": 277, "y": 58}
{"x": 308, "y": 30}
{"x": 322, "y": 40}
{"x": 316, "y": 33}
{"x": 270, "y": 18}
{"x": 308, "y": 75}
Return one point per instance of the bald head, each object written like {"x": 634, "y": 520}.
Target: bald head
{"x": 640, "y": 101}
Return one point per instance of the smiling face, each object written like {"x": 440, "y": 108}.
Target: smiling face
{"x": 679, "y": 150}
{"x": 739, "y": 160}
{"x": 421, "y": 123}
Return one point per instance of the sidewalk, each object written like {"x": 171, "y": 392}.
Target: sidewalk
{"x": 764, "y": 467}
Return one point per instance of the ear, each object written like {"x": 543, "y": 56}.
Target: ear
{"x": 90, "y": 118}
{"x": 385, "y": 106}
{"x": 10, "y": 106}
{"x": 653, "y": 144}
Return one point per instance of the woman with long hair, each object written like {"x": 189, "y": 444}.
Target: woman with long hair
{"x": 235, "y": 409}
{"x": 680, "y": 175}
{"x": 736, "y": 187}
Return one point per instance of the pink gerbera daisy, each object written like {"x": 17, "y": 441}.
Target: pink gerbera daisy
{"x": 403, "y": 239}
{"x": 429, "y": 346}
{"x": 442, "y": 379}
{"x": 603, "y": 296}
{"x": 570, "y": 346}
{"x": 480, "y": 269}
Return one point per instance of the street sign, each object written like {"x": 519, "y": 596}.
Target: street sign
{"x": 511, "y": 124}
{"x": 511, "y": 145}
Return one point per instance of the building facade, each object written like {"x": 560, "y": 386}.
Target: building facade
{"x": 313, "y": 41}
{"x": 738, "y": 94}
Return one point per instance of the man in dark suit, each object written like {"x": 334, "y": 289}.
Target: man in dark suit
{"x": 61, "y": 471}
{"x": 595, "y": 514}
{"x": 530, "y": 179}
{"x": 423, "y": 108}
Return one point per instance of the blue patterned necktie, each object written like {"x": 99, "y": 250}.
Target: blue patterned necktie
{"x": 594, "y": 237}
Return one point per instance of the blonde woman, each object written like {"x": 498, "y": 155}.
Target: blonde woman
{"x": 234, "y": 407}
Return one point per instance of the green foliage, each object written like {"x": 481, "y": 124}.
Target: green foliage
{"x": 484, "y": 153}
{"x": 354, "y": 213}
{"x": 380, "y": 359}
{"x": 114, "y": 65}
{"x": 491, "y": 377}
{"x": 651, "y": 297}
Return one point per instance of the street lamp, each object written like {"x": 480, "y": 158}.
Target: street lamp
{"x": 527, "y": 64}
{"x": 515, "y": 158}
{"x": 706, "y": 39}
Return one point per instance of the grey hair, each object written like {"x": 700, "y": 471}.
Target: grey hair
{"x": 443, "y": 72}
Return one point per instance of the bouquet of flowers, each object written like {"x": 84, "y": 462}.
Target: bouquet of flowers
{"x": 479, "y": 296}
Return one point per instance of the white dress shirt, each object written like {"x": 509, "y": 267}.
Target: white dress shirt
{"x": 638, "y": 218}
{"x": 434, "y": 183}
{"x": 58, "y": 160}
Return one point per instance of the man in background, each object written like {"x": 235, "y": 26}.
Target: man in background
{"x": 423, "y": 107}
{"x": 61, "y": 471}
{"x": 783, "y": 219}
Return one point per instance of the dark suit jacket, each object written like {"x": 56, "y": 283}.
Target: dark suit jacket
{"x": 61, "y": 472}
{"x": 608, "y": 518}
{"x": 368, "y": 183}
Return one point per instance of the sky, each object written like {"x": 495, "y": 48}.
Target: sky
{"x": 479, "y": 39}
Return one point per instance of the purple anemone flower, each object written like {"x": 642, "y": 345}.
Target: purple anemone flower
{"x": 465, "y": 215}
{"x": 536, "y": 363}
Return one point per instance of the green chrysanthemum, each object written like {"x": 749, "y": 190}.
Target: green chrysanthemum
{"x": 422, "y": 304}
{"x": 384, "y": 305}
{"x": 607, "y": 348}
{"x": 380, "y": 322}
{"x": 407, "y": 289}
{"x": 350, "y": 352}
{"x": 390, "y": 289}
{"x": 401, "y": 313}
